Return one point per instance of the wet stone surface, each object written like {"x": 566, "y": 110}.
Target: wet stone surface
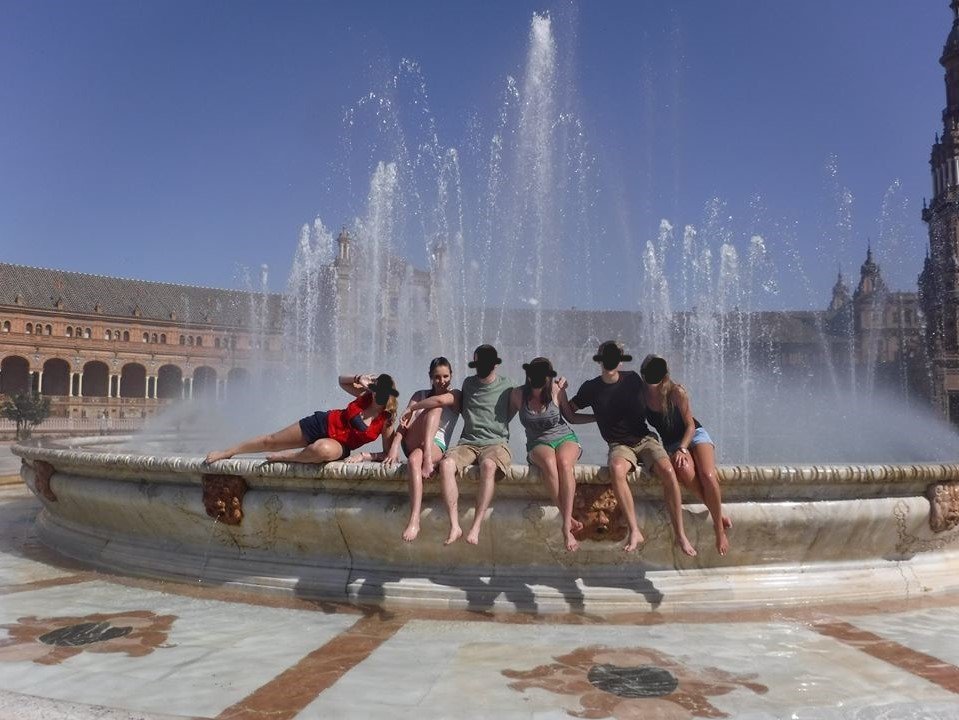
{"x": 644, "y": 681}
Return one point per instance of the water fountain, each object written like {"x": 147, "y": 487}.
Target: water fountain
{"x": 801, "y": 532}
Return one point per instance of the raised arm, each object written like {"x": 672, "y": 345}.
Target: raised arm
{"x": 356, "y": 385}
{"x": 447, "y": 399}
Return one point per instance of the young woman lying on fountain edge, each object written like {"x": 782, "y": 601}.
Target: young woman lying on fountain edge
{"x": 330, "y": 435}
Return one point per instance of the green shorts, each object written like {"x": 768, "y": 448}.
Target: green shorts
{"x": 569, "y": 437}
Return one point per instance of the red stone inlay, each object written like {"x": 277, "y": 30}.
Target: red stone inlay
{"x": 223, "y": 497}
{"x": 930, "y": 668}
{"x": 50, "y": 641}
{"x": 575, "y": 675}
{"x": 42, "y": 472}
{"x": 292, "y": 690}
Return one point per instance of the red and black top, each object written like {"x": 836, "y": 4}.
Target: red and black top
{"x": 348, "y": 428}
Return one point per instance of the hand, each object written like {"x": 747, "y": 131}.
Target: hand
{"x": 390, "y": 460}
{"x": 366, "y": 381}
{"x": 357, "y": 458}
{"x": 681, "y": 458}
{"x": 561, "y": 382}
{"x": 407, "y": 419}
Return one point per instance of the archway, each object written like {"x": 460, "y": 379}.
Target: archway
{"x": 169, "y": 383}
{"x": 133, "y": 381}
{"x": 96, "y": 378}
{"x": 14, "y": 375}
{"x": 56, "y": 377}
{"x": 237, "y": 382}
{"x": 204, "y": 382}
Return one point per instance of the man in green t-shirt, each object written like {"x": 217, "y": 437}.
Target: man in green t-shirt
{"x": 484, "y": 405}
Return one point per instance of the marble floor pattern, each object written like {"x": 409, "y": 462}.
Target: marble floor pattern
{"x": 75, "y": 643}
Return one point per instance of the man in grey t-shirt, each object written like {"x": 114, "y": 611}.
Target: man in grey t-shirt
{"x": 484, "y": 405}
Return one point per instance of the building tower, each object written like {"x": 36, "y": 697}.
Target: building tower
{"x": 939, "y": 280}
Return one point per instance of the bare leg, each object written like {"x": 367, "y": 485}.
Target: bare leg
{"x": 689, "y": 478}
{"x": 285, "y": 439}
{"x": 431, "y": 425}
{"x": 566, "y": 456}
{"x": 618, "y": 469}
{"x": 451, "y": 496}
{"x": 705, "y": 457}
{"x": 323, "y": 450}
{"x": 663, "y": 470}
{"x": 416, "y": 495}
{"x": 484, "y": 496}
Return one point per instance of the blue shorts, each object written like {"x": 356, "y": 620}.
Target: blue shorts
{"x": 699, "y": 438}
{"x": 315, "y": 427}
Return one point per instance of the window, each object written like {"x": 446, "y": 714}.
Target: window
{"x": 216, "y": 342}
{"x": 146, "y": 337}
{"x": 162, "y": 338}
{"x": 69, "y": 332}
{"x": 190, "y": 340}
{"x": 86, "y": 333}
{"x": 154, "y": 339}
{"x": 6, "y": 326}
{"x": 28, "y": 329}
{"x": 126, "y": 336}
{"x": 182, "y": 340}
{"x": 107, "y": 334}
{"x": 48, "y": 330}
{"x": 78, "y": 332}
{"x": 116, "y": 334}
{"x": 199, "y": 341}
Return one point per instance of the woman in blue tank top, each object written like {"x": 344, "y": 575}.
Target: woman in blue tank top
{"x": 551, "y": 444}
{"x": 690, "y": 448}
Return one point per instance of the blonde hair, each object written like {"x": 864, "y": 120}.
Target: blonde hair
{"x": 390, "y": 410}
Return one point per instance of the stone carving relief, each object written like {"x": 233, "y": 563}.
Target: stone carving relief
{"x": 943, "y": 506}
{"x": 223, "y": 498}
{"x": 597, "y": 508}
{"x": 42, "y": 472}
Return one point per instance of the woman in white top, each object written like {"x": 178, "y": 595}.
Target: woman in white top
{"x": 424, "y": 436}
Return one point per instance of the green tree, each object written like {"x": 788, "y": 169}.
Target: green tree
{"x": 27, "y": 410}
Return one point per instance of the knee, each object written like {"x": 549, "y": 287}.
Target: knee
{"x": 487, "y": 467}
{"x": 710, "y": 478}
{"x": 447, "y": 465}
{"x": 618, "y": 468}
{"x": 664, "y": 471}
{"x": 416, "y": 456}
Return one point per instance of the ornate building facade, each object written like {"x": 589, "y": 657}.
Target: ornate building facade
{"x": 111, "y": 347}
{"x": 939, "y": 280}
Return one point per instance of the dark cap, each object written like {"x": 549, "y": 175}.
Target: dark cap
{"x": 611, "y": 350}
{"x": 485, "y": 353}
{"x": 539, "y": 363}
{"x": 653, "y": 369}
{"x": 384, "y": 383}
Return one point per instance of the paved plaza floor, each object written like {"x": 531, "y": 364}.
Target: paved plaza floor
{"x": 81, "y": 644}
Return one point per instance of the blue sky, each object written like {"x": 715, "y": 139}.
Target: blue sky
{"x": 179, "y": 141}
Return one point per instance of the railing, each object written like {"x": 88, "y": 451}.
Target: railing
{"x": 79, "y": 426}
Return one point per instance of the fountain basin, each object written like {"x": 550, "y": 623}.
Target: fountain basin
{"x": 801, "y": 534}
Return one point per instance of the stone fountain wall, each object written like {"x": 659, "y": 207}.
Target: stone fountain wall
{"x": 800, "y": 533}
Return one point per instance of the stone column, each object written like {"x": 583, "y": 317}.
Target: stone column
{"x": 39, "y": 382}
{"x": 80, "y": 385}
{"x": 70, "y": 384}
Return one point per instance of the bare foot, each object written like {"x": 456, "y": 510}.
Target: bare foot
{"x": 575, "y": 525}
{"x": 686, "y": 546}
{"x": 722, "y": 543}
{"x": 214, "y": 455}
{"x": 472, "y": 537}
{"x": 571, "y": 544}
{"x": 412, "y": 530}
{"x": 455, "y": 532}
{"x": 429, "y": 467}
{"x": 727, "y": 523}
{"x": 635, "y": 538}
